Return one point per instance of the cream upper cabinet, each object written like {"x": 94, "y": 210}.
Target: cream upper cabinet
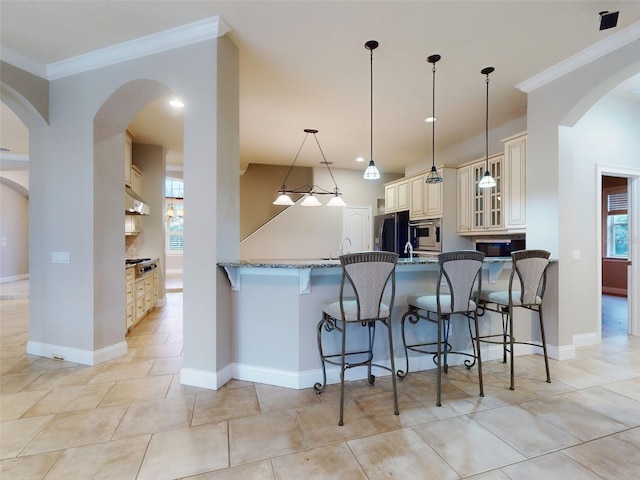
{"x": 391, "y": 198}
{"x": 136, "y": 179}
{"x": 403, "y": 195}
{"x": 426, "y": 198}
{"x": 396, "y": 196}
{"x": 433, "y": 198}
{"x": 515, "y": 184}
{"x": 486, "y": 209}
{"x": 465, "y": 186}
{"x": 503, "y": 207}
{"x": 128, "y": 157}
{"x": 417, "y": 190}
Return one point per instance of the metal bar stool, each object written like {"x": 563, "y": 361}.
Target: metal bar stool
{"x": 368, "y": 274}
{"x": 461, "y": 272}
{"x": 530, "y": 267}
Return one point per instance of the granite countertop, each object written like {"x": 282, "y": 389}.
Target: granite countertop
{"x": 332, "y": 263}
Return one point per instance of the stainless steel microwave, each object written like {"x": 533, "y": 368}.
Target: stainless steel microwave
{"x": 424, "y": 235}
{"x": 500, "y": 247}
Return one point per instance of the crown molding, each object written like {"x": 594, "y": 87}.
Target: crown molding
{"x": 12, "y": 57}
{"x": 158, "y": 42}
{"x": 588, "y": 55}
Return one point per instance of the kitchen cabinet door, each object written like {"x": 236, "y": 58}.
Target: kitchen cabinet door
{"x": 403, "y": 195}
{"x": 417, "y": 189}
{"x": 486, "y": 206}
{"x": 515, "y": 171}
{"x": 433, "y": 198}
{"x": 391, "y": 198}
{"x": 465, "y": 188}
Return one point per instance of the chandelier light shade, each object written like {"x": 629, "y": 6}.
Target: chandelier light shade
{"x": 487, "y": 180}
{"x": 309, "y": 192}
{"x": 371, "y": 173}
{"x": 433, "y": 176}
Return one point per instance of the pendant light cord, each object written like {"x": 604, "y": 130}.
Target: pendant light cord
{"x": 433, "y": 116}
{"x": 486, "y": 126}
{"x": 371, "y": 104}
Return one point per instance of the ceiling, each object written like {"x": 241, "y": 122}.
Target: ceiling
{"x": 303, "y": 65}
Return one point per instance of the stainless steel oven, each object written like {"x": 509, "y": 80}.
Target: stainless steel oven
{"x": 424, "y": 236}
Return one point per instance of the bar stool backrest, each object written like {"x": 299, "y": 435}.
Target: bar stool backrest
{"x": 368, "y": 274}
{"x": 462, "y": 270}
{"x": 531, "y": 268}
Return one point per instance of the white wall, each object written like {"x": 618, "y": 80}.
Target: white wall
{"x": 561, "y": 188}
{"x": 606, "y": 135}
{"x": 77, "y": 160}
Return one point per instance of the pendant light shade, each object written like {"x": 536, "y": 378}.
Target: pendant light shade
{"x": 371, "y": 173}
{"x": 433, "y": 176}
{"x": 309, "y": 192}
{"x": 310, "y": 201}
{"x": 487, "y": 180}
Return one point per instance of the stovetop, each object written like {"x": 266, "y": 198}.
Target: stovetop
{"x": 133, "y": 261}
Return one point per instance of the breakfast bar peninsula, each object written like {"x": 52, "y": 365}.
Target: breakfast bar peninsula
{"x": 277, "y": 305}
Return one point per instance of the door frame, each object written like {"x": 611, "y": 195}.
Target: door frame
{"x": 633, "y": 273}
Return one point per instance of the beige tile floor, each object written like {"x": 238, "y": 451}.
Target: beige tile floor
{"x": 131, "y": 419}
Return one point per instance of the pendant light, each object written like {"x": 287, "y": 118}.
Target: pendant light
{"x": 487, "y": 180}
{"x": 371, "y": 173}
{"x": 433, "y": 176}
{"x": 309, "y": 192}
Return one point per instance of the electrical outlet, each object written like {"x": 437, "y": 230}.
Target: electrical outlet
{"x": 60, "y": 257}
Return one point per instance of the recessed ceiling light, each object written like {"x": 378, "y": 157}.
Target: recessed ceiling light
{"x": 430, "y": 119}
{"x": 176, "y": 103}
{"x": 359, "y": 159}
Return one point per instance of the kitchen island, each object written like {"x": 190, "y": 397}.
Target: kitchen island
{"x": 277, "y": 305}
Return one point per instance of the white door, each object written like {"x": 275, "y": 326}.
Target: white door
{"x": 356, "y": 226}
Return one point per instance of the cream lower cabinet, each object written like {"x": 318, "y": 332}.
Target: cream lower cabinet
{"x": 130, "y": 297}
{"x": 144, "y": 290}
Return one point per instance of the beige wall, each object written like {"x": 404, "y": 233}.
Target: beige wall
{"x": 314, "y": 232}
{"x": 259, "y": 186}
{"x": 14, "y": 234}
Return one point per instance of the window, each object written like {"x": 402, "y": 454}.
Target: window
{"x": 174, "y": 215}
{"x": 617, "y": 222}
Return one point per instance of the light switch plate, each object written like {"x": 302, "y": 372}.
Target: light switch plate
{"x": 575, "y": 255}
{"x": 60, "y": 257}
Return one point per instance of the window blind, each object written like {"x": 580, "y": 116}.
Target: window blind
{"x": 617, "y": 203}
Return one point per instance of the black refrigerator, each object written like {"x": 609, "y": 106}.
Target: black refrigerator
{"x": 391, "y": 232}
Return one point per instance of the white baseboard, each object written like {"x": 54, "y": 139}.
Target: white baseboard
{"x": 75, "y": 355}
{"x": 585, "y": 339}
{"x": 206, "y": 379}
{"x": 14, "y": 278}
{"x": 307, "y": 379}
